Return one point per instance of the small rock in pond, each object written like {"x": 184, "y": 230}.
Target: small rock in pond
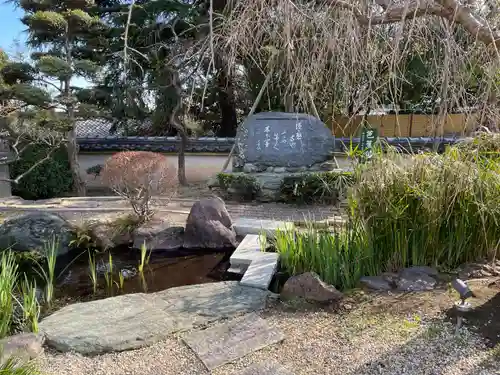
{"x": 159, "y": 237}
{"x": 376, "y": 282}
{"x": 23, "y": 347}
{"x": 310, "y": 287}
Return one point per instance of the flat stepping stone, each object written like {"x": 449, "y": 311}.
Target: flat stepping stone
{"x": 135, "y": 320}
{"x": 257, "y": 267}
{"x": 232, "y": 340}
{"x": 265, "y": 368}
{"x": 244, "y": 226}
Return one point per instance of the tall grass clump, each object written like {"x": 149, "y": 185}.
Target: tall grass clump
{"x": 339, "y": 257}
{"x": 50, "y": 251}
{"x": 8, "y": 282}
{"x": 16, "y": 366}
{"x": 438, "y": 210}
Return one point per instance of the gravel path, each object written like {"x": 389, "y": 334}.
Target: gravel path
{"x": 365, "y": 339}
{"x": 177, "y": 209}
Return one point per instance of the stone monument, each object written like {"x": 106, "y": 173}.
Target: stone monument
{"x": 281, "y": 140}
{"x": 270, "y": 147}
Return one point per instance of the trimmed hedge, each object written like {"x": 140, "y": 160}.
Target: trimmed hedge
{"x": 50, "y": 179}
{"x": 247, "y": 187}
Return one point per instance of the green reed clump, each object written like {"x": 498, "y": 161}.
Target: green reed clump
{"x": 438, "y": 210}
{"x": 340, "y": 257}
{"x": 93, "y": 272}
{"x": 108, "y": 275}
{"x": 145, "y": 257}
{"x": 8, "y": 282}
{"x": 428, "y": 209}
{"x": 30, "y": 305}
{"x": 47, "y": 274}
{"x": 17, "y": 366}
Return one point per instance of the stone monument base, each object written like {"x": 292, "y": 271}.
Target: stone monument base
{"x": 273, "y": 184}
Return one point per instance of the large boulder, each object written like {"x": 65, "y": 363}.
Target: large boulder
{"x": 310, "y": 287}
{"x": 209, "y": 226}
{"x": 276, "y": 139}
{"x": 31, "y": 231}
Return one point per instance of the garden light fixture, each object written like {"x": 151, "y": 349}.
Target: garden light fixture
{"x": 461, "y": 306}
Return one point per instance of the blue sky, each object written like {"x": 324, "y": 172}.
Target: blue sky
{"x": 11, "y": 26}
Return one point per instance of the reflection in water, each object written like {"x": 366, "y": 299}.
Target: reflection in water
{"x": 120, "y": 275}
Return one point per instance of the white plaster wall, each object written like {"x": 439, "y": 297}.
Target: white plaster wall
{"x": 199, "y": 167}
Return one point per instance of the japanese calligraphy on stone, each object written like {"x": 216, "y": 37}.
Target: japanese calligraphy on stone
{"x": 283, "y": 139}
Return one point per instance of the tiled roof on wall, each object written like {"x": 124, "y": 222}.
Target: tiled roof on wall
{"x": 224, "y": 145}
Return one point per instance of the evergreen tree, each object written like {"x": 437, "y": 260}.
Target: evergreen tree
{"x": 56, "y": 28}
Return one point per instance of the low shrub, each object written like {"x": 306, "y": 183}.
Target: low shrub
{"x": 138, "y": 176}
{"x": 319, "y": 187}
{"x": 50, "y": 179}
{"x": 242, "y": 185}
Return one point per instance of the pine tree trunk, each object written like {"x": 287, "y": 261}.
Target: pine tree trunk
{"x": 72, "y": 147}
{"x": 71, "y": 144}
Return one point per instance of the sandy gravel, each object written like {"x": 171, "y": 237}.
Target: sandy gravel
{"x": 392, "y": 337}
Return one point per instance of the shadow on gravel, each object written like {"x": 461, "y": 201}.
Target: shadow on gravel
{"x": 437, "y": 350}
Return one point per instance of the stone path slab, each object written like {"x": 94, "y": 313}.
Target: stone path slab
{"x": 135, "y": 320}
{"x": 227, "y": 342}
{"x": 265, "y": 368}
{"x": 258, "y": 267}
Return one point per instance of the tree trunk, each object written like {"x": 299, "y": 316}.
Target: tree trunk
{"x": 181, "y": 131}
{"x": 227, "y": 106}
{"x": 181, "y": 171}
{"x": 72, "y": 147}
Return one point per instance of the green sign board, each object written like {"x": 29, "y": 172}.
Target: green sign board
{"x": 369, "y": 136}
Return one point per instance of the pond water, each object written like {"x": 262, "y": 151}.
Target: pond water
{"x": 163, "y": 271}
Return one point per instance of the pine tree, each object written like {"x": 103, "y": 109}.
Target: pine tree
{"x": 55, "y": 28}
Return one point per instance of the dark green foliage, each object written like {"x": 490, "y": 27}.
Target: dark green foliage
{"x": 50, "y": 179}
{"x": 15, "y": 72}
{"x": 243, "y": 186}
{"x": 95, "y": 170}
{"x": 319, "y": 187}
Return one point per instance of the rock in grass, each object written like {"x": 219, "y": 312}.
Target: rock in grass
{"x": 412, "y": 280}
{"x": 31, "y": 231}
{"x": 379, "y": 283}
{"x": 429, "y": 271}
{"x": 310, "y": 287}
{"x": 22, "y": 347}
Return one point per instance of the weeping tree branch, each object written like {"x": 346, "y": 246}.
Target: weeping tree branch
{"x": 451, "y": 10}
